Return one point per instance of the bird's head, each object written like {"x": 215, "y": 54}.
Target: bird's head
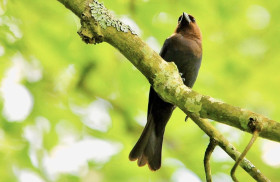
{"x": 187, "y": 26}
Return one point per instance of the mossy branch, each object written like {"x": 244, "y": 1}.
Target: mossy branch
{"x": 164, "y": 77}
{"x": 217, "y": 138}
{"x": 98, "y": 25}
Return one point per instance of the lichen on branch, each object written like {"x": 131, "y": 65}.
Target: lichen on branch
{"x": 105, "y": 19}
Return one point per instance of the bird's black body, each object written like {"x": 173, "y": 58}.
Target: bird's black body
{"x": 185, "y": 50}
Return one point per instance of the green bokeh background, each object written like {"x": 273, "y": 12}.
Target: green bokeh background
{"x": 240, "y": 66}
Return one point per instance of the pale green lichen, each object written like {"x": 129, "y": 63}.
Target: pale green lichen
{"x": 248, "y": 164}
{"x": 193, "y": 104}
{"x": 244, "y": 119}
{"x": 177, "y": 91}
{"x": 106, "y": 19}
{"x": 213, "y": 100}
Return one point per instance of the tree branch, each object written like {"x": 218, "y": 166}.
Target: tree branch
{"x": 98, "y": 26}
{"x": 207, "y": 156}
{"x": 165, "y": 78}
{"x": 214, "y": 134}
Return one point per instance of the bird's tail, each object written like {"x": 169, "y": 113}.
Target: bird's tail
{"x": 148, "y": 148}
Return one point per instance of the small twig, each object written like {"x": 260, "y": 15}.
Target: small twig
{"x": 212, "y": 132}
{"x": 241, "y": 157}
{"x": 207, "y": 156}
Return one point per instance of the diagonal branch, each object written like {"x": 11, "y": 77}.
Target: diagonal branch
{"x": 98, "y": 26}
{"x": 165, "y": 77}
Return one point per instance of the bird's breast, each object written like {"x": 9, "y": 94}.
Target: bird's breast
{"x": 186, "y": 54}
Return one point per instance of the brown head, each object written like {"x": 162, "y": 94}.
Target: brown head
{"x": 187, "y": 26}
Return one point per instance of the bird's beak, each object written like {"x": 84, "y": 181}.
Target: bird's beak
{"x": 185, "y": 17}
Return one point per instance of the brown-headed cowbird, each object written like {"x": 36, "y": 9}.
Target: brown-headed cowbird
{"x": 184, "y": 48}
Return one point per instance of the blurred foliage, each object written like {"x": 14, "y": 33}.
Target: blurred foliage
{"x": 78, "y": 95}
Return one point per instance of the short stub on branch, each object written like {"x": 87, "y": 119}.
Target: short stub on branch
{"x": 90, "y": 30}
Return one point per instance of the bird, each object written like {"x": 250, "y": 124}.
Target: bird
{"x": 184, "y": 48}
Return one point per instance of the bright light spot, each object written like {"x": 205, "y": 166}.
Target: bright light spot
{"x": 18, "y": 102}
{"x": 221, "y": 177}
{"x": 183, "y": 174}
{"x": 21, "y": 69}
{"x": 10, "y": 38}
{"x": 213, "y": 100}
{"x": 2, "y": 11}
{"x": 33, "y": 70}
{"x": 114, "y": 95}
{"x": 173, "y": 162}
{"x": 132, "y": 24}
{"x": 33, "y": 155}
{"x": 253, "y": 47}
{"x": 15, "y": 29}
{"x": 27, "y": 176}
{"x": 163, "y": 18}
{"x": 96, "y": 115}
{"x": 73, "y": 158}
{"x": 65, "y": 79}
{"x": 2, "y": 50}
{"x": 15, "y": 72}
{"x": 271, "y": 151}
{"x": 3, "y": 7}
{"x": 13, "y": 24}
{"x": 217, "y": 37}
{"x": 67, "y": 132}
{"x": 220, "y": 155}
{"x": 229, "y": 132}
{"x": 43, "y": 124}
{"x": 141, "y": 118}
{"x": 2, "y": 134}
{"x": 34, "y": 135}
{"x": 153, "y": 43}
{"x": 258, "y": 17}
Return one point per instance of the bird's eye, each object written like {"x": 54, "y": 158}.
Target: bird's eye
{"x": 192, "y": 18}
{"x": 180, "y": 18}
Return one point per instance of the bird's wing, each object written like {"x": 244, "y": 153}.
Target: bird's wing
{"x": 164, "y": 48}
{"x": 152, "y": 93}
